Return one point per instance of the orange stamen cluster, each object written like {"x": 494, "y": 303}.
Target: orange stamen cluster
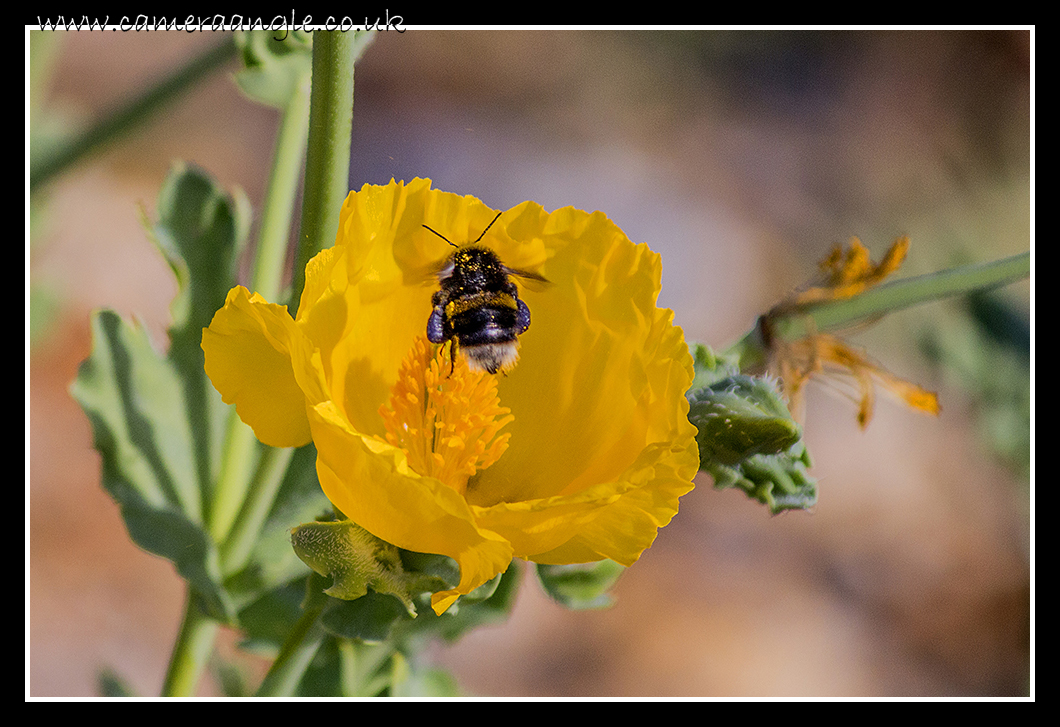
{"x": 445, "y": 416}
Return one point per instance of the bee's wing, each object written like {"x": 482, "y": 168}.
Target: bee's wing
{"x": 430, "y": 273}
{"x": 528, "y": 275}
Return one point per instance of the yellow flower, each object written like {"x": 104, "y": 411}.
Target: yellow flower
{"x": 821, "y": 354}
{"x": 596, "y": 446}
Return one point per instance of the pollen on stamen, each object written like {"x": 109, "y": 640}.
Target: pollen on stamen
{"x": 446, "y": 417}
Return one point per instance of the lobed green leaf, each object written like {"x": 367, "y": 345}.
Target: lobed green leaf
{"x": 131, "y": 396}
{"x": 156, "y": 420}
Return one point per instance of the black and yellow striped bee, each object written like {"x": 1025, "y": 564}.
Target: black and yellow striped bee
{"x": 478, "y": 310}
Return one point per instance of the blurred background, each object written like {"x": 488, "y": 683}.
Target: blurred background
{"x": 742, "y": 157}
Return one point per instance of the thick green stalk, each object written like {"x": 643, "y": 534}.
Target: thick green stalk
{"x": 278, "y": 209}
{"x": 909, "y": 292}
{"x": 48, "y": 165}
{"x": 751, "y": 349}
{"x": 192, "y": 651}
{"x": 301, "y": 645}
{"x": 258, "y": 503}
{"x": 328, "y": 159}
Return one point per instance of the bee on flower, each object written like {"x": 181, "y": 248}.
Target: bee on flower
{"x": 578, "y": 454}
{"x": 478, "y": 307}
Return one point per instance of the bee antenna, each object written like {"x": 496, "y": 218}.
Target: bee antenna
{"x": 444, "y": 237}
{"x": 488, "y": 226}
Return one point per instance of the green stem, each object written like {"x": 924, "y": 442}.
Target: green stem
{"x": 278, "y": 208}
{"x": 191, "y": 652}
{"x": 328, "y": 158}
{"x": 363, "y": 672}
{"x": 349, "y": 668}
{"x": 240, "y": 453}
{"x": 909, "y": 292}
{"x": 48, "y": 165}
{"x": 301, "y": 645}
{"x": 257, "y": 504}
{"x": 238, "y": 459}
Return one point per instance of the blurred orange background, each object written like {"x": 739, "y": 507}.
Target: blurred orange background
{"x": 742, "y": 157}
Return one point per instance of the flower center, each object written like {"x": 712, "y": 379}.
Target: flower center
{"x": 445, "y": 416}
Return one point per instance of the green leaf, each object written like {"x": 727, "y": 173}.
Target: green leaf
{"x": 350, "y": 668}
{"x": 580, "y": 587}
{"x": 132, "y": 398}
{"x": 368, "y": 618}
{"x": 156, "y": 420}
{"x": 322, "y": 677}
{"x": 201, "y": 231}
{"x": 267, "y": 622}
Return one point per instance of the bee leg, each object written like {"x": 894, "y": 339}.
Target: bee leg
{"x": 435, "y": 326}
{"x": 452, "y": 356}
{"x": 522, "y": 318}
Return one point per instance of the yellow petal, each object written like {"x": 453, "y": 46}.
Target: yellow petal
{"x": 248, "y": 358}
{"x": 616, "y": 520}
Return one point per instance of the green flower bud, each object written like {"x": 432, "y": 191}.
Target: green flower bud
{"x": 739, "y": 417}
{"x": 748, "y": 439}
{"x": 355, "y": 559}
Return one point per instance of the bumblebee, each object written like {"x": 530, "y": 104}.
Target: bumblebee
{"x": 477, "y": 310}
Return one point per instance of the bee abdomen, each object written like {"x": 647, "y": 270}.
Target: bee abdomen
{"x": 485, "y": 324}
